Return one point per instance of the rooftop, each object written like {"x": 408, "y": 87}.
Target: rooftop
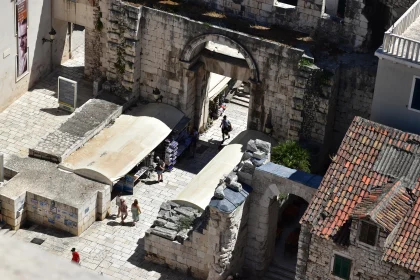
{"x": 402, "y": 39}
{"x": 375, "y": 175}
{"x": 202, "y": 13}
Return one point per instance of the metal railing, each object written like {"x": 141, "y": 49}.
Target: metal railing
{"x": 395, "y": 44}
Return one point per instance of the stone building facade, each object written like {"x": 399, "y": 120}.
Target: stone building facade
{"x": 362, "y": 221}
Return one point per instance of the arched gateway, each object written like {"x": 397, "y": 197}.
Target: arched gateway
{"x": 196, "y": 45}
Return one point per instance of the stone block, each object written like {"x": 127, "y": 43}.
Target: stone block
{"x": 219, "y": 192}
{"x": 259, "y": 155}
{"x": 251, "y": 146}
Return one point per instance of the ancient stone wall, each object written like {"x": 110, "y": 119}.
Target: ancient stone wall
{"x": 96, "y": 42}
{"x": 366, "y": 259}
{"x": 212, "y": 250}
{"x": 356, "y": 86}
{"x": 164, "y": 38}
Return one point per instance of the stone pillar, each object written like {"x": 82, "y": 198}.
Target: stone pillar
{"x": 227, "y": 239}
{"x": 202, "y": 78}
{"x": 257, "y": 113}
{"x": 303, "y": 253}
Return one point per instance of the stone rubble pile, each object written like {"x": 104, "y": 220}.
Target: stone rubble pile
{"x": 257, "y": 153}
{"x": 230, "y": 181}
{"x": 168, "y": 224}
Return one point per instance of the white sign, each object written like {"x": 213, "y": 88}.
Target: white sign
{"x": 67, "y": 94}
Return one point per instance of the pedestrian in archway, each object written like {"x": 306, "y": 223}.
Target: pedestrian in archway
{"x": 160, "y": 167}
{"x": 124, "y": 210}
{"x": 226, "y": 127}
{"x": 135, "y": 211}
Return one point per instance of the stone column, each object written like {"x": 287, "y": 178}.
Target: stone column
{"x": 303, "y": 253}
{"x": 256, "y": 114}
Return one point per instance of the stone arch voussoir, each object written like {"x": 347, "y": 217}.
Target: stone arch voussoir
{"x": 187, "y": 54}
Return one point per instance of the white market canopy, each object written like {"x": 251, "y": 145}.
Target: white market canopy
{"x": 117, "y": 149}
{"x": 201, "y": 188}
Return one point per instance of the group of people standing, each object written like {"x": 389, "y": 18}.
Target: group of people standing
{"x": 123, "y": 209}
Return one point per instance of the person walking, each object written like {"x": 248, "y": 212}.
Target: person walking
{"x": 194, "y": 140}
{"x": 135, "y": 211}
{"x": 124, "y": 210}
{"x": 160, "y": 168}
{"x": 118, "y": 202}
{"x": 226, "y": 127}
{"x": 75, "y": 256}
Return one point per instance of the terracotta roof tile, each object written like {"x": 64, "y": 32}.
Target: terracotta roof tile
{"x": 372, "y": 171}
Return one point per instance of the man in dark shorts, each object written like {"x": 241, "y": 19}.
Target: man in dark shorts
{"x": 160, "y": 167}
{"x": 226, "y": 127}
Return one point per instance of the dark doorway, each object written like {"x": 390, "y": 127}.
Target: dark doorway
{"x": 378, "y": 16}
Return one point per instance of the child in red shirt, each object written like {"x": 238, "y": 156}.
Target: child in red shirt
{"x": 76, "y": 257}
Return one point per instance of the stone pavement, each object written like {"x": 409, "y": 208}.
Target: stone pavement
{"x": 118, "y": 251}
{"x": 35, "y": 114}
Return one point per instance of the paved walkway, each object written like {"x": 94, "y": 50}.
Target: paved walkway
{"x": 112, "y": 249}
{"x": 35, "y": 114}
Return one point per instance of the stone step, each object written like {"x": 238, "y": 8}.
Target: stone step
{"x": 241, "y": 98}
{"x": 281, "y": 272}
{"x": 239, "y": 101}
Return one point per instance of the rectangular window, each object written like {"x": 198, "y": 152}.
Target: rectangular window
{"x": 415, "y": 95}
{"x": 342, "y": 267}
{"x": 368, "y": 233}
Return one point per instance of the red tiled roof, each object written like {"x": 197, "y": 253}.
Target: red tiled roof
{"x": 385, "y": 206}
{"x": 359, "y": 181}
{"x": 404, "y": 250}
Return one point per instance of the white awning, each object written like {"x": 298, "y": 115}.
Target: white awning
{"x": 117, "y": 149}
{"x": 201, "y": 188}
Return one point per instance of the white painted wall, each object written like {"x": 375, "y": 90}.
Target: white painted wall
{"x": 393, "y": 88}
{"x": 80, "y": 12}
{"x": 39, "y": 24}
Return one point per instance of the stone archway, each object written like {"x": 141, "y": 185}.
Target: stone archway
{"x": 262, "y": 223}
{"x": 193, "y": 48}
{"x": 196, "y": 62}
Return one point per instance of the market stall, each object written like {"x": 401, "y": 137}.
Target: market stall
{"x": 200, "y": 190}
{"x": 122, "y": 152}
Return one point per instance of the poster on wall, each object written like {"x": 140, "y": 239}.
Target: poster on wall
{"x": 22, "y": 37}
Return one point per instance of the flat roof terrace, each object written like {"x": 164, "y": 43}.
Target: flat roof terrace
{"x": 202, "y": 13}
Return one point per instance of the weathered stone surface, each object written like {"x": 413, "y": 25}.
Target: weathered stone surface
{"x": 164, "y": 214}
{"x": 251, "y": 146}
{"x": 159, "y": 222}
{"x": 259, "y": 155}
{"x": 236, "y": 186}
{"x": 263, "y": 146}
{"x": 247, "y": 155}
{"x": 174, "y": 219}
{"x": 182, "y": 235}
{"x": 248, "y": 167}
{"x": 165, "y": 206}
{"x": 164, "y": 232}
{"x": 173, "y": 204}
{"x": 185, "y": 212}
{"x": 232, "y": 177}
{"x": 170, "y": 225}
{"x": 219, "y": 192}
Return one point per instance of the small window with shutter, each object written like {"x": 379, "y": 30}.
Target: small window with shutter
{"x": 415, "y": 95}
{"x": 342, "y": 267}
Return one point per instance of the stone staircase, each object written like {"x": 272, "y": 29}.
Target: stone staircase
{"x": 279, "y": 272}
{"x": 240, "y": 100}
